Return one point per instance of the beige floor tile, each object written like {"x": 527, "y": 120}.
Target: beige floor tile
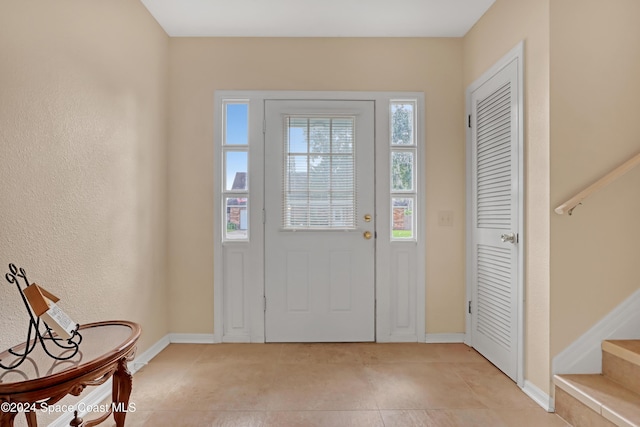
{"x": 155, "y": 381}
{"x": 233, "y": 386}
{"x": 530, "y": 418}
{"x": 407, "y": 418}
{"x": 205, "y": 419}
{"x": 364, "y": 384}
{"x": 133, "y": 419}
{"x": 321, "y": 353}
{"x": 324, "y": 419}
{"x": 180, "y": 353}
{"x": 493, "y": 387}
{"x": 461, "y": 353}
{"x": 398, "y": 353}
{"x": 245, "y": 353}
{"x": 420, "y": 386}
{"x": 321, "y": 386}
{"x": 442, "y": 418}
{"x": 466, "y": 418}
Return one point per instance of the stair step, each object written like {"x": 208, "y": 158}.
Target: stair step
{"x": 612, "y": 401}
{"x": 621, "y": 362}
{"x": 628, "y": 350}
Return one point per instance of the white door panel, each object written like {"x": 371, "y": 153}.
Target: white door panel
{"x": 319, "y": 267}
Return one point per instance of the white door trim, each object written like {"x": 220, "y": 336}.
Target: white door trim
{"x": 251, "y": 254}
{"x": 516, "y": 54}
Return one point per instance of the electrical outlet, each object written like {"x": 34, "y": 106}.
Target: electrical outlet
{"x": 445, "y": 218}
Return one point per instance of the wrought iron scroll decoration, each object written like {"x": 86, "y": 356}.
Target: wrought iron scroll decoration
{"x": 69, "y": 346}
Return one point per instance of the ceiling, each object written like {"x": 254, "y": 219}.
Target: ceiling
{"x": 317, "y": 18}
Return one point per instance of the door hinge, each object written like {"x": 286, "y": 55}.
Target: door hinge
{"x": 469, "y": 120}
{"x": 469, "y": 307}
{"x": 264, "y": 303}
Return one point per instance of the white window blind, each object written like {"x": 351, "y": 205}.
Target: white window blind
{"x": 319, "y": 188}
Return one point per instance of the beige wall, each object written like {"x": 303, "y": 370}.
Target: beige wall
{"x": 83, "y": 107}
{"x": 504, "y": 25}
{"x": 595, "y": 105}
{"x": 201, "y": 66}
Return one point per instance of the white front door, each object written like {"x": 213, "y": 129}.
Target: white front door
{"x": 319, "y": 221}
{"x": 495, "y": 209}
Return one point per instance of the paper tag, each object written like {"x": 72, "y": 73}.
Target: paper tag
{"x": 58, "y": 320}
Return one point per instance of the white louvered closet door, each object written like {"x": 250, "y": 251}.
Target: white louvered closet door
{"x": 494, "y": 303}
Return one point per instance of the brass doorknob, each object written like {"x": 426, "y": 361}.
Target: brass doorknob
{"x": 367, "y": 235}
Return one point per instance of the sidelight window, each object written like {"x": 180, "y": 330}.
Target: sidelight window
{"x": 235, "y": 154}
{"x": 403, "y": 171}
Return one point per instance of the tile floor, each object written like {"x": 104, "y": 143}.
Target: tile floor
{"x": 328, "y": 385}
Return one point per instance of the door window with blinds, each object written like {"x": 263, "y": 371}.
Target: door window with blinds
{"x": 319, "y": 188}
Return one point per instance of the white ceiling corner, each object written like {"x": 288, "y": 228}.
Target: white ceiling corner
{"x": 317, "y": 18}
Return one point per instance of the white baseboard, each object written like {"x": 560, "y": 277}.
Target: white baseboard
{"x": 584, "y": 356}
{"x": 193, "y": 339}
{"x": 237, "y": 338}
{"x": 444, "y": 338}
{"x": 149, "y": 354}
{"x": 538, "y": 396}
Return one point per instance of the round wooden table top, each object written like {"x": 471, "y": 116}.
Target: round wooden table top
{"x": 102, "y": 343}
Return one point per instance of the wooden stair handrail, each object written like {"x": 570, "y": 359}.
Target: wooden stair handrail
{"x": 570, "y": 204}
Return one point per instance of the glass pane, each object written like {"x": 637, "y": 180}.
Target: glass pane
{"x": 319, "y": 210}
{"x": 319, "y": 172}
{"x": 297, "y": 173}
{"x": 342, "y": 173}
{"x": 320, "y": 135}
{"x": 401, "y": 170}
{"x": 296, "y": 214}
{"x": 402, "y": 218}
{"x": 297, "y": 134}
{"x": 237, "y": 218}
{"x": 236, "y": 124}
{"x": 342, "y": 135}
{"x": 402, "y": 123}
{"x": 236, "y": 170}
{"x": 342, "y": 212}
